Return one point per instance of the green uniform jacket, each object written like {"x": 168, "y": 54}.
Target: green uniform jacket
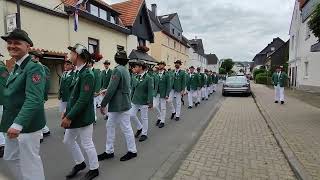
{"x": 193, "y": 82}
{"x": 156, "y": 80}
{"x": 47, "y": 87}
{"x": 202, "y": 80}
{"x": 215, "y": 79}
{"x": 209, "y": 80}
{"x": 179, "y": 81}
{"x": 65, "y": 82}
{"x": 3, "y": 80}
{"x": 143, "y": 91}
{"x": 80, "y": 108}
{"x": 162, "y": 86}
{"x": 279, "y": 80}
{"x": 133, "y": 84}
{"x": 97, "y": 80}
{"x": 24, "y": 97}
{"x": 105, "y": 78}
{"x": 171, "y": 76}
{"x": 153, "y": 80}
{"x": 118, "y": 91}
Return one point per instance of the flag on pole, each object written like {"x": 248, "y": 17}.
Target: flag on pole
{"x": 76, "y": 13}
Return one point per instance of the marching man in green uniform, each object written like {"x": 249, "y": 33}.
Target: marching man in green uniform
{"x": 117, "y": 96}
{"x": 193, "y": 81}
{"x": 206, "y": 87}
{"x": 65, "y": 82}
{"x": 210, "y": 82}
{"x": 162, "y": 91}
{"x": 279, "y": 79}
{"x": 142, "y": 98}
{"x": 3, "y": 80}
{"x": 105, "y": 80}
{"x": 23, "y": 114}
{"x": 37, "y": 56}
{"x": 215, "y": 80}
{"x": 178, "y": 88}
{"x": 79, "y": 116}
{"x": 97, "y": 86}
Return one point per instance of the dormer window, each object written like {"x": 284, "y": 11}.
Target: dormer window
{"x": 102, "y": 13}
{"x": 94, "y": 10}
{"x": 172, "y": 31}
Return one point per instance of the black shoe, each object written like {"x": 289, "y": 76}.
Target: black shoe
{"x": 128, "y": 156}
{"x": 282, "y": 102}
{"x": 158, "y": 122}
{"x": 190, "y": 107}
{"x": 202, "y": 99}
{"x": 276, "y": 102}
{"x": 207, "y": 99}
{"x": 197, "y": 104}
{"x": 76, "y": 169}
{"x": 41, "y": 140}
{"x": 177, "y": 119}
{"x": 138, "y": 133}
{"x": 161, "y": 125}
{"x": 105, "y": 156}
{"x": 46, "y": 134}
{"x": 1, "y": 151}
{"x": 106, "y": 118}
{"x": 91, "y": 175}
{"x": 143, "y": 138}
{"x": 172, "y": 115}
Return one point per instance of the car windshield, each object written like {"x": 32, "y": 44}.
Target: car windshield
{"x": 236, "y": 79}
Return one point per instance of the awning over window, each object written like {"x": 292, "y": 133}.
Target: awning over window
{"x": 136, "y": 55}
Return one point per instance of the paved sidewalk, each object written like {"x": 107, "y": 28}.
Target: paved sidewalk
{"x": 236, "y": 145}
{"x": 51, "y": 103}
{"x": 298, "y": 123}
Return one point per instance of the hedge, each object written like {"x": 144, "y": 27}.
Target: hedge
{"x": 258, "y": 71}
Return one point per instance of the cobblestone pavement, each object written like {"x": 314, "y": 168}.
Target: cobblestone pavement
{"x": 298, "y": 123}
{"x": 236, "y": 145}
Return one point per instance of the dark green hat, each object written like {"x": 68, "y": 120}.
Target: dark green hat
{"x": 106, "y": 62}
{"x": 162, "y": 62}
{"x": 82, "y": 51}
{"x": 36, "y": 53}
{"x": 18, "y": 34}
{"x": 178, "y": 62}
{"x": 121, "y": 55}
{"x": 191, "y": 67}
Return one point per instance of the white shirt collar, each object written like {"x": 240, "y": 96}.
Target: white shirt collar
{"x": 80, "y": 67}
{"x": 161, "y": 72}
{"x": 20, "y": 61}
{"x": 142, "y": 74}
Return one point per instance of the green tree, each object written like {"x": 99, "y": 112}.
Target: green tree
{"x": 227, "y": 64}
{"x": 222, "y": 71}
{"x": 314, "y": 22}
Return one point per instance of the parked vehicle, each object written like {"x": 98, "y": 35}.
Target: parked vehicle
{"x": 236, "y": 85}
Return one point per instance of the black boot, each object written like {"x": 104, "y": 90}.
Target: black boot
{"x": 105, "y": 156}
{"x": 161, "y": 125}
{"x": 143, "y": 138}
{"x": 282, "y": 102}
{"x": 76, "y": 169}
{"x": 138, "y": 133}
{"x": 91, "y": 175}
{"x": 177, "y": 118}
{"x": 276, "y": 102}
{"x": 128, "y": 156}
{"x": 1, "y": 151}
{"x": 172, "y": 115}
{"x": 158, "y": 122}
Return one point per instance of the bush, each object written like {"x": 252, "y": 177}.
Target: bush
{"x": 258, "y": 71}
{"x": 261, "y": 79}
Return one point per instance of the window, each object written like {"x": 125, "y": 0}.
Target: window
{"x": 93, "y": 45}
{"x": 113, "y": 19}
{"x": 174, "y": 45}
{"x": 273, "y": 49}
{"x": 306, "y": 69}
{"x": 141, "y": 20}
{"x": 179, "y": 34}
{"x": 103, "y": 14}
{"x": 172, "y": 31}
{"x": 307, "y": 31}
{"x": 94, "y": 10}
{"x": 168, "y": 42}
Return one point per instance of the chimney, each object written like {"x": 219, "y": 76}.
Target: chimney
{"x": 154, "y": 9}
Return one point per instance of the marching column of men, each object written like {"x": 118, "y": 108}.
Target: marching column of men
{"x": 83, "y": 89}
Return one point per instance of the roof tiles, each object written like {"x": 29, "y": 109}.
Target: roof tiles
{"x": 129, "y": 11}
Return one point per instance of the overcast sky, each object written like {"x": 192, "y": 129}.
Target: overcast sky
{"x": 236, "y": 29}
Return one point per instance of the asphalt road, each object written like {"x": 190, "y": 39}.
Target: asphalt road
{"x": 151, "y": 153}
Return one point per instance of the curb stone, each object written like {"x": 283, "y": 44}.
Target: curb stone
{"x": 296, "y": 166}
{"x": 170, "y": 166}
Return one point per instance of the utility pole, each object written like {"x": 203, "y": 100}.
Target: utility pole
{"x": 18, "y": 15}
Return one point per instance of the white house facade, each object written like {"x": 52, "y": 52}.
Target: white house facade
{"x": 303, "y": 64}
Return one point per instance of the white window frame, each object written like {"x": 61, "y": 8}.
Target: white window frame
{"x": 306, "y": 69}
